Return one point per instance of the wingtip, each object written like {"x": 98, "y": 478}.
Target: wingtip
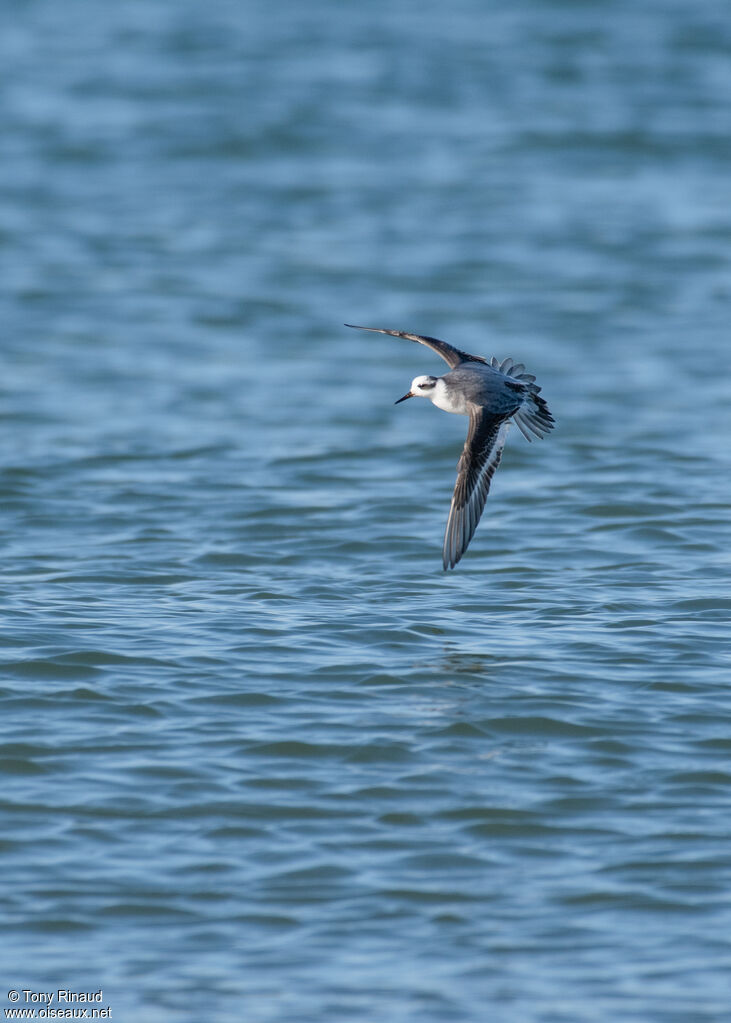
{"x": 376, "y": 330}
{"x": 449, "y": 560}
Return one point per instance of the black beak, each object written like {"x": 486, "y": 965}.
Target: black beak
{"x": 409, "y": 395}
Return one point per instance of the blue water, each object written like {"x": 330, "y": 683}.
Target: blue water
{"x": 261, "y": 758}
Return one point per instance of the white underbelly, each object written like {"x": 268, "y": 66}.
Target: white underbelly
{"x": 450, "y": 402}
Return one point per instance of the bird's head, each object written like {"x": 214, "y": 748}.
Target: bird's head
{"x": 421, "y": 387}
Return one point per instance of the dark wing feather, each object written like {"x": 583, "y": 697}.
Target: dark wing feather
{"x": 480, "y": 458}
{"x": 451, "y": 355}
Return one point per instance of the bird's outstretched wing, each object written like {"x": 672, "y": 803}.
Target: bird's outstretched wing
{"x": 451, "y": 355}
{"x": 480, "y": 458}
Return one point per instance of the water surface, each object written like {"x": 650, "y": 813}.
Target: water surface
{"x": 261, "y": 758}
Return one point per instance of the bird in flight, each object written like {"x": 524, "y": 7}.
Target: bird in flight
{"x": 491, "y": 394}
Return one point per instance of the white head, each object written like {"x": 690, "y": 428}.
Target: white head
{"x": 421, "y": 387}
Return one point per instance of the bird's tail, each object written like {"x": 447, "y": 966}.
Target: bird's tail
{"x": 533, "y": 416}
